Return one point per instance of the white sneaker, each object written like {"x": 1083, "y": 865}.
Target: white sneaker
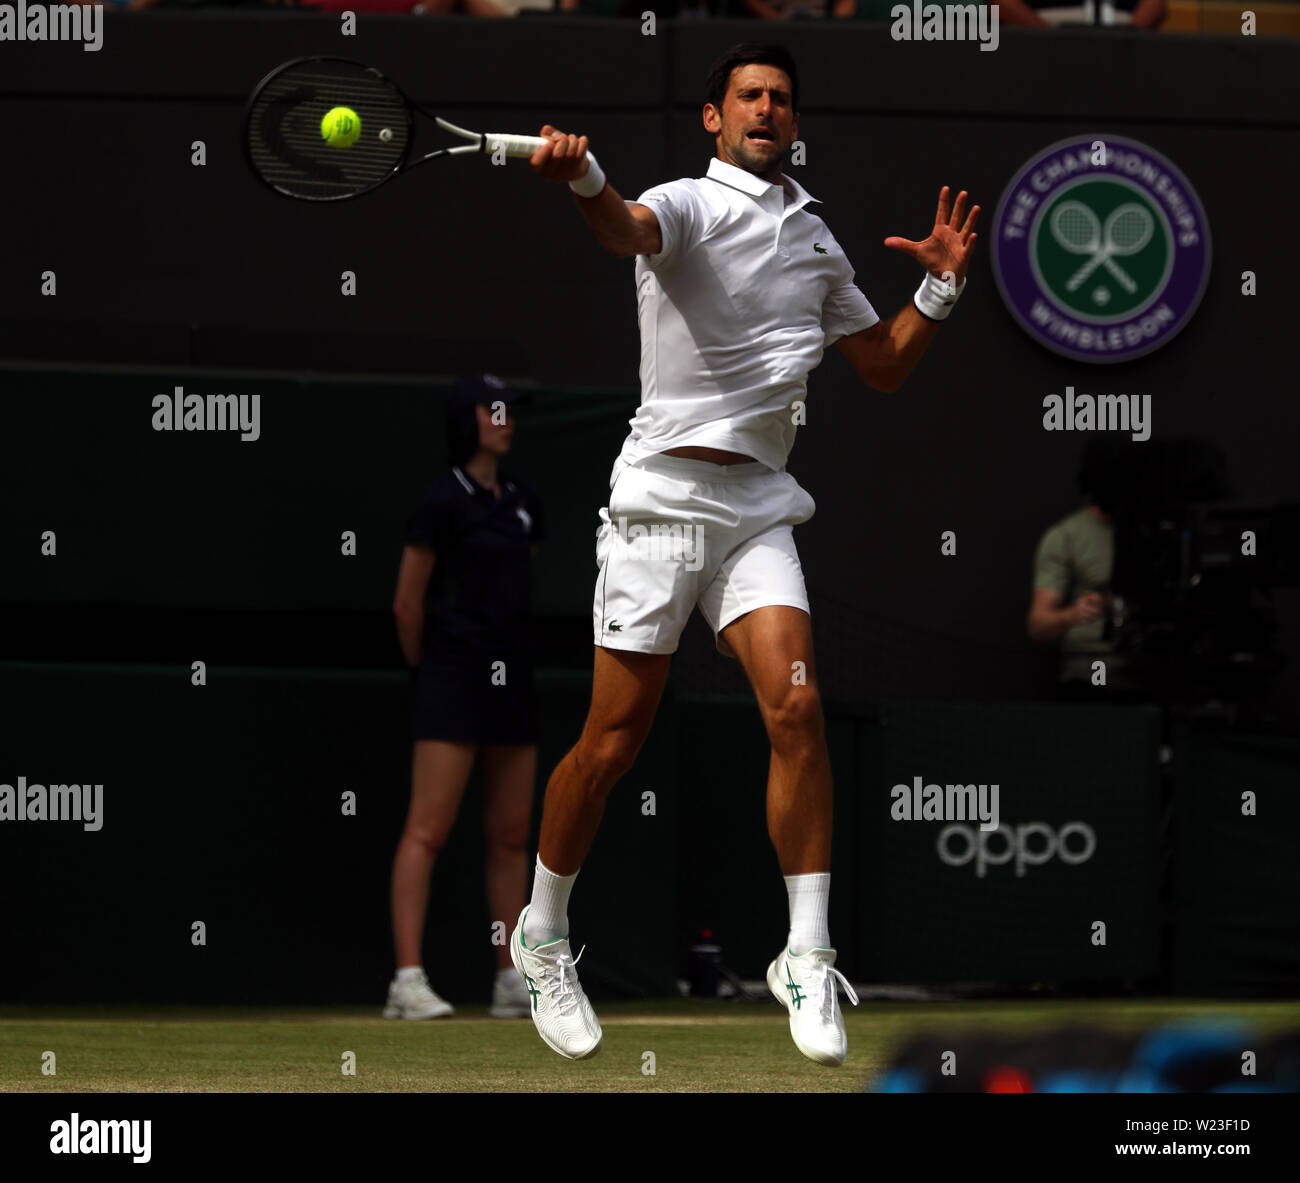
{"x": 413, "y": 999}
{"x": 807, "y": 986}
{"x": 510, "y": 1000}
{"x": 560, "y": 1010}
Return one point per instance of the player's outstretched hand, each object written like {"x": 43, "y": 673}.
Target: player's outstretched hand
{"x": 563, "y": 158}
{"x": 951, "y": 242}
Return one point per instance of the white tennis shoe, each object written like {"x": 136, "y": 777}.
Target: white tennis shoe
{"x": 414, "y": 999}
{"x": 807, "y": 986}
{"x": 510, "y": 1000}
{"x": 560, "y": 1010}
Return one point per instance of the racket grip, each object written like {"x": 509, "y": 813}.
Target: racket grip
{"x": 513, "y": 145}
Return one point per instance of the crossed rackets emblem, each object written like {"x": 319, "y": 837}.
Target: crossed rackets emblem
{"x": 1126, "y": 231}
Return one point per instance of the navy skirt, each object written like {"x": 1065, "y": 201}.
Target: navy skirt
{"x": 462, "y": 703}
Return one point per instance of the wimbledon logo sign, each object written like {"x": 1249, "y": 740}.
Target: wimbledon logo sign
{"x": 1101, "y": 248}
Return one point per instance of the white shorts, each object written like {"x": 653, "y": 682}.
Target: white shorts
{"x": 678, "y": 533}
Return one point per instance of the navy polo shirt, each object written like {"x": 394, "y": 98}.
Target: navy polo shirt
{"x": 478, "y": 602}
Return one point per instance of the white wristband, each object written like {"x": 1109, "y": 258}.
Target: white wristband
{"x": 592, "y": 182}
{"x": 935, "y": 297}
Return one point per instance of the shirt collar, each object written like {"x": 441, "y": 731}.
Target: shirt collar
{"x": 747, "y": 182}
{"x": 473, "y": 488}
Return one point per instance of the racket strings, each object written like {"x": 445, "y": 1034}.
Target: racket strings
{"x": 1129, "y": 229}
{"x": 284, "y": 139}
{"x": 1075, "y": 227}
{"x": 1078, "y": 230}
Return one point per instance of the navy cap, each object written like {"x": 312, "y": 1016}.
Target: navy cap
{"x": 462, "y": 423}
{"x": 485, "y": 389}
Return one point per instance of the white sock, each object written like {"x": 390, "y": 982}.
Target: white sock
{"x": 548, "y": 914}
{"x": 506, "y": 976}
{"x": 810, "y": 897}
{"x": 406, "y": 972}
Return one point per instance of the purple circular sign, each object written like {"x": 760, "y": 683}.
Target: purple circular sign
{"x": 1101, "y": 248}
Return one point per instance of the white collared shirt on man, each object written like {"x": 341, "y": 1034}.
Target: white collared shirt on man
{"x": 749, "y": 289}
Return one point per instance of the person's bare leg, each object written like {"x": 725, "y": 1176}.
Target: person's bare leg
{"x": 509, "y": 774}
{"x": 625, "y": 693}
{"x": 775, "y": 647}
{"x": 439, "y": 773}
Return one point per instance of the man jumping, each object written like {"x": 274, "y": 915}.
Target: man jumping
{"x": 740, "y": 288}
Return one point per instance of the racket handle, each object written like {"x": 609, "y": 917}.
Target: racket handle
{"x": 513, "y": 145}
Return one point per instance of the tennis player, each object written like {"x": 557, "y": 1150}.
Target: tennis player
{"x": 740, "y": 287}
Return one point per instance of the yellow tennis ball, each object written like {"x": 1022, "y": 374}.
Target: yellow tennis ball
{"x": 341, "y": 127}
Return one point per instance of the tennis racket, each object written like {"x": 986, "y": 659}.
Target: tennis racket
{"x": 1128, "y": 229}
{"x": 286, "y": 147}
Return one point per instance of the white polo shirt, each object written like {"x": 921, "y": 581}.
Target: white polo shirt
{"x": 749, "y": 289}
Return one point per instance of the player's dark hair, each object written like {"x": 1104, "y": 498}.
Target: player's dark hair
{"x": 750, "y": 53}
{"x": 1105, "y": 474}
